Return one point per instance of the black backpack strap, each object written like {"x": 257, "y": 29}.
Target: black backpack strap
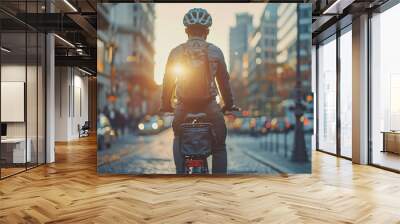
{"x": 207, "y": 63}
{"x": 209, "y": 72}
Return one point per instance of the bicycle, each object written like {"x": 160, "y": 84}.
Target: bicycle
{"x": 195, "y": 145}
{"x": 196, "y": 141}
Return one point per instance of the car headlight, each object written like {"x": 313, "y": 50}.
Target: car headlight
{"x": 141, "y": 126}
{"x": 154, "y": 126}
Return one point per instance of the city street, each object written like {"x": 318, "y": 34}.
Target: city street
{"x": 266, "y": 83}
{"x": 152, "y": 154}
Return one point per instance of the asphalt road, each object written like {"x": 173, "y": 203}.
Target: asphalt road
{"x": 152, "y": 154}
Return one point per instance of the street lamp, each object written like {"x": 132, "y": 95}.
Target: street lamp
{"x": 299, "y": 151}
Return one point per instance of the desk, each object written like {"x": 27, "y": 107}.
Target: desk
{"x": 391, "y": 141}
{"x": 15, "y": 148}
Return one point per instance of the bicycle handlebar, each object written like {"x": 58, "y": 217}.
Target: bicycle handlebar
{"x": 223, "y": 110}
{"x": 230, "y": 110}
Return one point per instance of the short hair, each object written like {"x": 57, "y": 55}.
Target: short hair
{"x": 197, "y": 30}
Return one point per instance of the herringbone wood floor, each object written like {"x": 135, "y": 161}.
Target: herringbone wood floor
{"x": 70, "y": 191}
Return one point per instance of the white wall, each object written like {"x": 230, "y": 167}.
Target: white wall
{"x": 11, "y": 73}
{"x": 80, "y": 111}
{"x": 16, "y": 73}
{"x": 61, "y": 103}
{"x": 71, "y": 102}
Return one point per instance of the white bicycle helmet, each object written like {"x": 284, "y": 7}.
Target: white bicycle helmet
{"x": 197, "y": 16}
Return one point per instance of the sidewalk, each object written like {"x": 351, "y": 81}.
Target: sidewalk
{"x": 260, "y": 150}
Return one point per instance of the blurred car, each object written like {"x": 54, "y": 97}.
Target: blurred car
{"x": 151, "y": 125}
{"x": 105, "y": 133}
{"x": 246, "y": 124}
{"x": 235, "y": 124}
{"x": 257, "y": 125}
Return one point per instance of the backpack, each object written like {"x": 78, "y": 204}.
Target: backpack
{"x": 194, "y": 85}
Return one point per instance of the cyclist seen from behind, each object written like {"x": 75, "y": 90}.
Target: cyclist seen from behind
{"x": 195, "y": 71}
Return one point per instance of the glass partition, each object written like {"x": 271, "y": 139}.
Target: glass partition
{"x": 31, "y": 97}
{"x": 14, "y": 151}
{"x": 35, "y": 49}
{"x": 22, "y": 90}
{"x": 41, "y": 85}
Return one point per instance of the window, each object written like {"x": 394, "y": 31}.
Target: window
{"x": 304, "y": 29}
{"x": 385, "y": 88}
{"x": 346, "y": 94}
{"x": 270, "y": 42}
{"x": 327, "y": 96}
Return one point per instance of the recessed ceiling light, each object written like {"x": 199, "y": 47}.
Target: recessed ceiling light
{"x": 337, "y": 7}
{"x": 5, "y": 50}
{"x": 84, "y": 71}
{"x": 64, "y": 40}
{"x": 70, "y": 5}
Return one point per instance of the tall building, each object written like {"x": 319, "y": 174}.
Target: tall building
{"x": 262, "y": 63}
{"x": 238, "y": 46}
{"x": 129, "y": 41}
{"x": 291, "y": 20}
{"x": 238, "y": 41}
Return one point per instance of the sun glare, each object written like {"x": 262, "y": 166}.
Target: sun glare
{"x": 178, "y": 69}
